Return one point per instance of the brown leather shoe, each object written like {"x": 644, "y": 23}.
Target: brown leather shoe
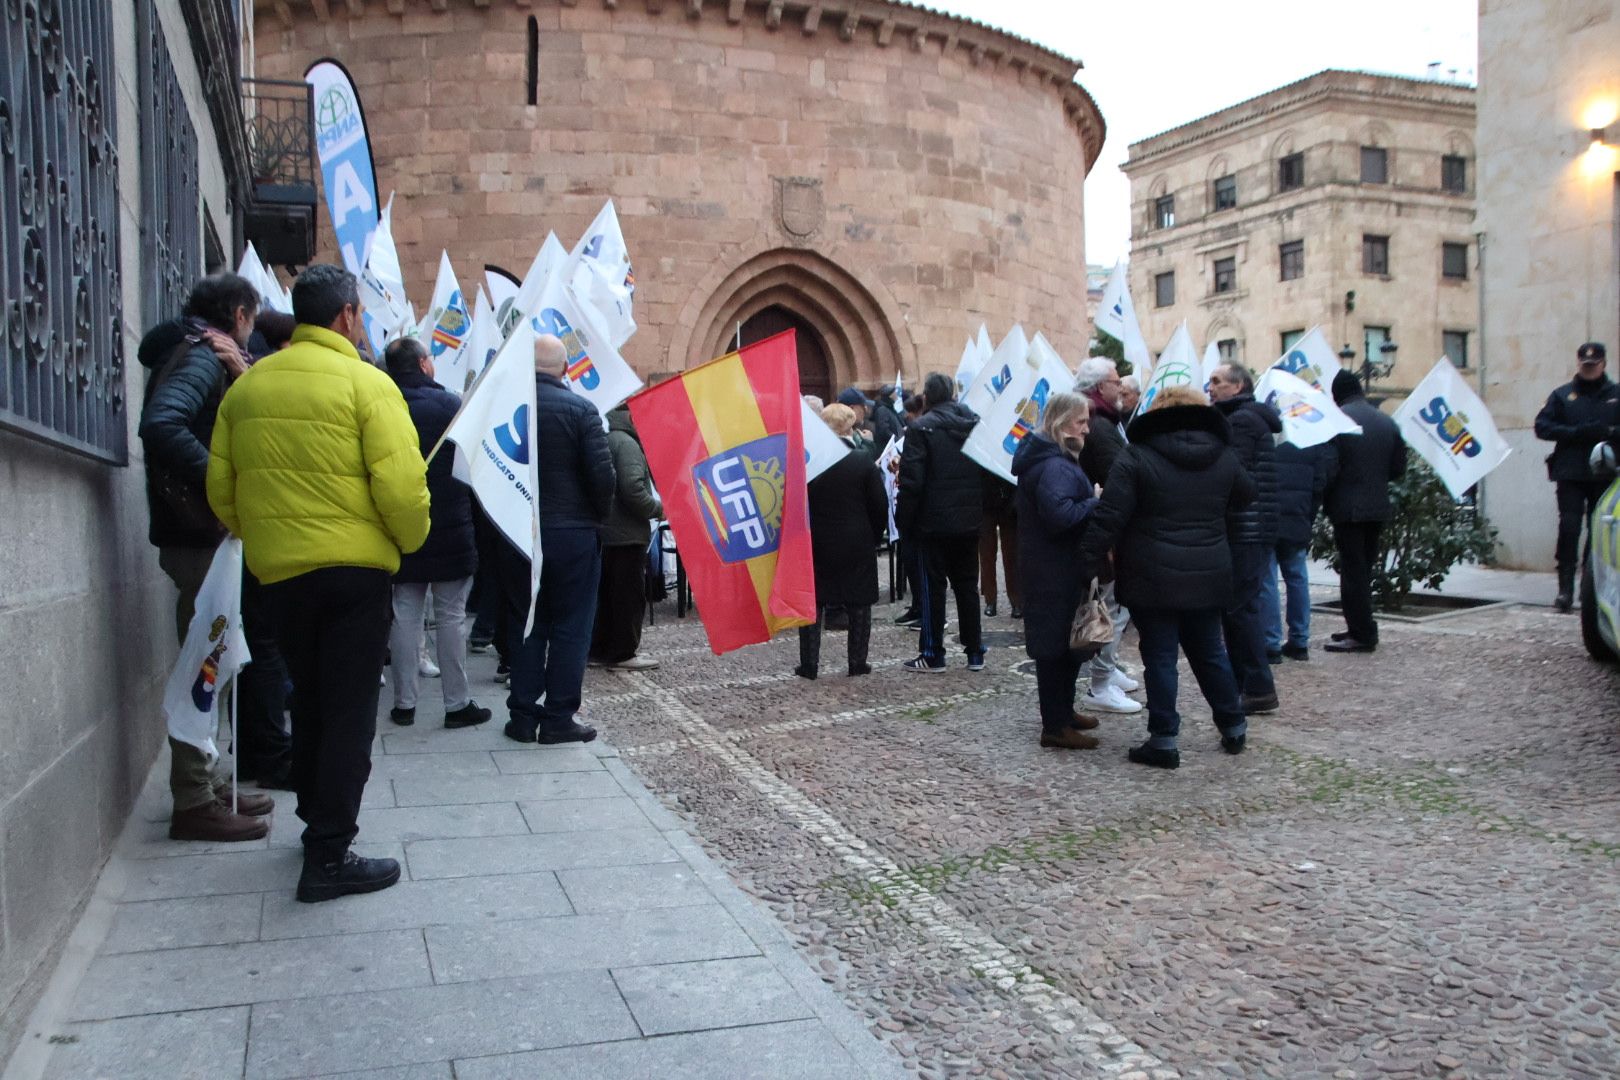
{"x": 1069, "y": 739}
{"x": 249, "y": 803}
{"x": 1082, "y": 722}
{"x": 214, "y": 821}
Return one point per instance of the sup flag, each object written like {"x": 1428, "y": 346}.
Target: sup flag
{"x": 484, "y": 341}
{"x": 1116, "y": 316}
{"x": 1178, "y": 366}
{"x": 1447, "y": 423}
{"x": 726, "y": 449}
{"x": 447, "y": 329}
{"x": 596, "y": 371}
{"x": 1313, "y": 360}
{"x": 215, "y": 649}
{"x": 345, "y": 154}
{"x": 822, "y": 448}
{"x": 995, "y": 376}
{"x": 1309, "y": 416}
{"x": 526, "y": 301}
{"x": 603, "y": 276}
{"x": 1018, "y": 411}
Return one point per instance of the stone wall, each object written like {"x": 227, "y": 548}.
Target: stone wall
{"x": 893, "y": 176}
{"x": 1547, "y": 201}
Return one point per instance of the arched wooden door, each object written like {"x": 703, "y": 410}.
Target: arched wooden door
{"x": 815, "y": 373}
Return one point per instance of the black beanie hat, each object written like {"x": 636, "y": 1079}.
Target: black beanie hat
{"x": 1345, "y": 387}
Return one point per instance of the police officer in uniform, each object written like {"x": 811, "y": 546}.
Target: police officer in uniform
{"x": 1578, "y": 415}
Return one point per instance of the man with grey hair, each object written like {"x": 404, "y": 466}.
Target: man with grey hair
{"x": 576, "y": 493}
{"x": 1099, "y": 382}
{"x": 1130, "y": 392}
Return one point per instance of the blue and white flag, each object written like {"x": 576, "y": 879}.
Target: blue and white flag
{"x": 1450, "y": 428}
{"x": 1116, "y": 316}
{"x": 1311, "y": 358}
{"x": 345, "y": 154}
{"x": 446, "y": 330}
{"x": 1178, "y": 366}
{"x": 485, "y": 340}
{"x": 1019, "y": 409}
{"x": 603, "y": 277}
{"x": 1309, "y": 416}
{"x": 996, "y": 375}
{"x": 214, "y": 650}
{"x": 387, "y": 312}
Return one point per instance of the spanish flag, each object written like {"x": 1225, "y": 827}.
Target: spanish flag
{"x": 726, "y": 449}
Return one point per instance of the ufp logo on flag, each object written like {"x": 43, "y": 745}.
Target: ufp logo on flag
{"x": 742, "y": 494}
{"x": 1447, "y": 423}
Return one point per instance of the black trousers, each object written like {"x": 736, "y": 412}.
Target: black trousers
{"x": 1055, "y": 679}
{"x": 911, "y": 568}
{"x": 621, "y": 603}
{"x": 1576, "y": 501}
{"x": 332, "y": 625}
{"x": 1243, "y": 624}
{"x": 1357, "y": 542}
{"x": 859, "y": 617}
{"x": 951, "y": 561}
{"x": 263, "y": 745}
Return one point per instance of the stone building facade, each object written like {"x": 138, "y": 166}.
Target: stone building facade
{"x": 1344, "y": 200}
{"x": 879, "y": 176}
{"x": 1549, "y": 207}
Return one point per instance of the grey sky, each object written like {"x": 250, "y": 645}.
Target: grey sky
{"x": 1152, "y": 66}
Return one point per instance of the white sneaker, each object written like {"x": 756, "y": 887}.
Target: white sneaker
{"x": 1123, "y": 681}
{"x": 425, "y": 665}
{"x": 1109, "y": 699}
{"x": 635, "y": 663}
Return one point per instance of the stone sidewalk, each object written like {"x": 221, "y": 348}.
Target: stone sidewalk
{"x": 553, "y": 920}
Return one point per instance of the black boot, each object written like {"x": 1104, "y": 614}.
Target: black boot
{"x": 809, "y": 649}
{"x": 572, "y": 731}
{"x": 350, "y": 874}
{"x": 860, "y": 639}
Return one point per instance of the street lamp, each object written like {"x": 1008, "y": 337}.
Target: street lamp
{"x": 1370, "y": 369}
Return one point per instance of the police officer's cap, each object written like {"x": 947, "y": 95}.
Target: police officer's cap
{"x": 1591, "y": 351}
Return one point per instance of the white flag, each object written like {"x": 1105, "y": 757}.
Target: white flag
{"x": 387, "y": 312}
{"x": 992, "y": 379}
{"x": 214, "y": 650}
{"x": 1447, "y": 423}
{"x": 1019, "y": 409}
{"x": 483, "y": 341}
{"x": 1178, "y": 366}
{"x": 966, "y": 368}
{"x": 1313, "y": 360}
{"x": 1309, "y": 416}
{"x": 822, "y": 448}
{"x": 1212, "y": 360}
{"x": 446, "y": 329}
{"x": 526, "y": 301}
{"x": 603, "y": 276}
{"x": 888, "y": 464}
{"x": 503, "y": 292}
{"x": 271, "y": 295}
{"x": 596, "y": 371}
{"x": 1116, "y": 316}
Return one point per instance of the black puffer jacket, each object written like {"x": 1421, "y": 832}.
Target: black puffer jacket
{"x": 885, "y": 426}
{"x": 576, "y": 469}
{"x": 1105, "y": 442}
{"x": 1368, "y": 464}
{"x": 848, "y": 512}
{"x": 450, "y": 551}
{"x": 1255, "y": 427}
{"x": 1055, "y": 501}
{"x": 1578, "y": 415}
{"x": 940, "y": 490}
{"x": 177, "y": 423}
{"x": 1164, "y": 512}
{"x": 1302, "y": 477}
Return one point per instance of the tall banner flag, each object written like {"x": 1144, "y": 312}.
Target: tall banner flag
{"x": 1446, "y": 422}
{"x": 993, "y": 379}
{"x": 1309, "y": 416}
{"x": 215, "y": 649}
{"x": 1116, "y": 316}
{"x": 822, "y": 448}
{"x": 603, "y": 276}
{"x": 1313, "y": 360}
{"x": 1018, "y": 411}
{"x": 1178, "y": 366}
{"x": 446, "y": 330}
{"x": 726, "y": 449}
{"x": 346, "y": 167}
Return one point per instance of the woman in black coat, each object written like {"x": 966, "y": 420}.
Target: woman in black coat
{"x": 1164, "y": 514}
{"x": 848, "y": 513}
{"x": 1055, "y": 501}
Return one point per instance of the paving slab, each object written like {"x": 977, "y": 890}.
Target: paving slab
{"x": 415, "y": 904}
{"x": 545, "y": 759}
{"x": 261, "y": 870}
{"x": 669, "y": 998}
{"x": 438, "y": 791}
{"x": 204, "y": 1044}
{"x": 583, "y": 815}
{"x": 522, "y": 854}
{"x": 184, "y": 921}
{"x": 627, "y": 888}
{"x": 394, "y": 824}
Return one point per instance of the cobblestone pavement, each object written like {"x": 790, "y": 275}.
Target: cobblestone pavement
{"x": 1412, "y": 872}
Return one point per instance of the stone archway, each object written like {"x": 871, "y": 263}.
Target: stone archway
{"x": 815, "y": 373}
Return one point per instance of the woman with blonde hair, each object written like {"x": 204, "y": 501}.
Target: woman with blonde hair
{"x": 1164, "y": 516}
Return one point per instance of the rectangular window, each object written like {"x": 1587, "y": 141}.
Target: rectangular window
{"x": 1374, "y": 254}
{"x": 1291, "y": 257}
{"x": 1373, "y": 339}
{"x": 1454, "y": 174}
{"x": 1291, "y": 172}
{"x": 1225, "y": 275}
{"x": 1227, "y": 347}
{"x": 1290, "y": 338}
{"x": 1226, "y": 193}
{"x": 1164, "y": 289}
{"x": 1454, "y": 261}
{"x": 1164, "y": 212}
{"x": 1374, "y": 165}
{"x": 1454, "y": 343}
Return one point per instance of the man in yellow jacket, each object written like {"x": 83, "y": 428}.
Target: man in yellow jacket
{"x": 315, "y": 465}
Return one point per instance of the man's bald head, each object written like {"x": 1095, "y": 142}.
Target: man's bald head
{"x": 550, "y": 355}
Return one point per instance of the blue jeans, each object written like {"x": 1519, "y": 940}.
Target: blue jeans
{"x": 548, "y": 667}
{"x": 1294, "y": 561}
{"x": 1198, "y": 634}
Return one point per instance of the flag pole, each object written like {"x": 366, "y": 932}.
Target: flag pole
{"x": 235, "y": 746}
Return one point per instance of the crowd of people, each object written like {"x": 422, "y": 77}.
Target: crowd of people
{"x": 363, "y": 551}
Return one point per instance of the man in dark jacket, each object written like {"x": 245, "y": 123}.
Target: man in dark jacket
{"x": 444, "y": 564}
{"x": 621, "y": 600}
{"x": 940, "y": 503}
{"x": 1302, "y": 477}
{"x": 1358, "y": 504}
{"x": 576, "y": 495}
{"x": 1578, "y": 415}
{"x": 1164, "y": 515}
{"x": 192, "y": 361}
{"x": 885, "y": 420}
{"x": 1253, "y": 532}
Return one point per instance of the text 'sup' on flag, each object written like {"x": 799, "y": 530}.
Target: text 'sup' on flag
{"x": 995, "y": 376}
{"x": 344, "y": 150}
{"x": 548, "y": 261}
{"x": 1448, "y": 425}
{"x": 1311, "y": 358}
{"x": 214, "y": 650}
{"x": 1018, "y": 410}
{"x": 1178, "y": 365}
{"x": 1309, "y": 416}
{"x": 726, "y": 448}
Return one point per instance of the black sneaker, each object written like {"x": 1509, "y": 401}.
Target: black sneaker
{"x": 1233, "y": 744}
{"x": 1565, "y": 603}
{"x": 1257, "y": 704}
{"x": 469, "y": 715}
{"x": 574, "y": 732}
{"x": 908, "y": 616}
{"x": 350, "y": 874}
{"x": 805, "y": 672}
{"x": 402, "y": 717}
{"x": 1297, "y": 652}
{"x": 922, "y": 666}
{"x": 1150, "y": 755}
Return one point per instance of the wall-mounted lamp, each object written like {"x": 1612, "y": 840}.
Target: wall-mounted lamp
{"x": 1600, "y": 136}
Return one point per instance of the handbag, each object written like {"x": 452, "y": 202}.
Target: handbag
{"x": 1093, "y": 626}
